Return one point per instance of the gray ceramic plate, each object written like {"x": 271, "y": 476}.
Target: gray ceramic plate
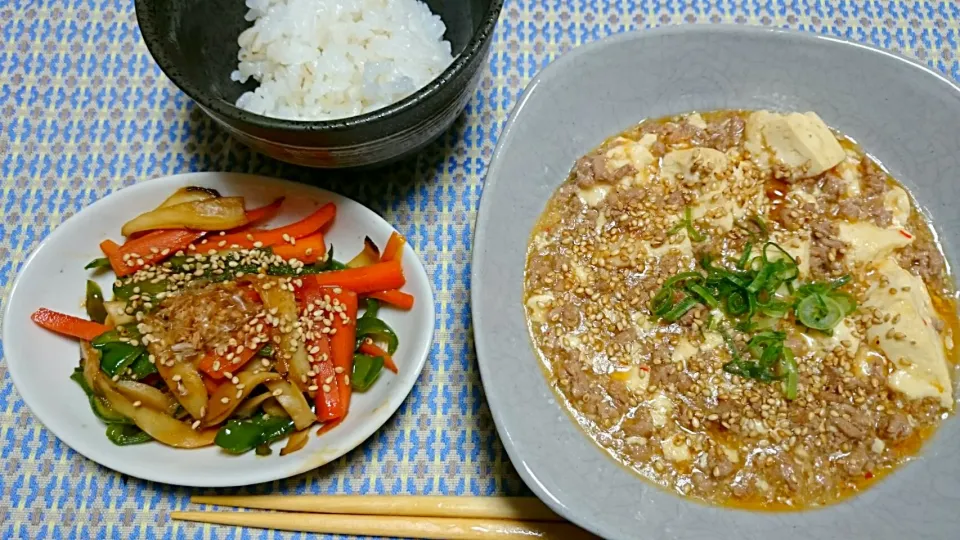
{"x": 902, "y": 113}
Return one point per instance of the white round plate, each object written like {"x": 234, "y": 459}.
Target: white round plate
{"x": 41, "y": 362}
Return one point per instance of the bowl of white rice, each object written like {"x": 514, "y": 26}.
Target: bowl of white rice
{"x": 324, "y": 83}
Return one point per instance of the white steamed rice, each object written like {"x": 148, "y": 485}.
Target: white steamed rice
{"x": 325, "y": 59}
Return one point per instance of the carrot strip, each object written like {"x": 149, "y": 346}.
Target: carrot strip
{"x": 308, "y": 249}
{"x": 344, "y": 342}
{"x": 151, "y": 248}
{"x": 217, "y": 367}
{"x": 259, "y": 215}
{"x": 68, "y": 325}
{"x": 305, "y": 227}
{"x": 394, "y": 297}
{"x": 394, "y": 247}
{"x": 109, "y": 247}
{"x": 374, "y": 278}
{"x": 371, "y": 349}
{"x": 329, "y": 425}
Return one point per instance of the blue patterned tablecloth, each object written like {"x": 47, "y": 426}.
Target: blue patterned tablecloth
{"x": 85, "y": 111}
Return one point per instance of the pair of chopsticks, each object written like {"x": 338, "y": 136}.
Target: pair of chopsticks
{"x": 428, "y": 517}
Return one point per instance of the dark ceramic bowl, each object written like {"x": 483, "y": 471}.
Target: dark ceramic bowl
{"x": 195, "y": 44}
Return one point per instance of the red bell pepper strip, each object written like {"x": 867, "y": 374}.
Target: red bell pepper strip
{"x": 371, "y": 349}
{"x": 327, "y": 397}
{"x": 394, "y": 297}
{"x": 394, "y": 248}
{"x": 209, "y": 383}
{"x": 68, "y": 325}
{"x": 367, "y": 279}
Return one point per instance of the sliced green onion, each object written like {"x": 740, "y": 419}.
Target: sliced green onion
{"x": 819, "y": 311}
{"x": 682, "y": 276}
{"x": 680, "y": 309}
{"x": 790, "y": 372}
{"x": 704, "y": 294}
{"x": 746, "y": 256}
{"x": 847, "y": 303}
{"x": 738, "y": 303}
{"x": 662, "y": 302}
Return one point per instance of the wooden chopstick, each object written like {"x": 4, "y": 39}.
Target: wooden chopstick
{"x": 516, "y": 508}
{"x": 395, "y": 526}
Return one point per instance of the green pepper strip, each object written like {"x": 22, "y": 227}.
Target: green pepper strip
{"x": 241, "y": 436}
{"x": 126, "y": 435}
{"x": 366, "y": 370}
{"x": 379, "y": 331}
{"x": 101, "y": 409}
{"x": 97, "y": 264}
{"x": 94, "y": 302}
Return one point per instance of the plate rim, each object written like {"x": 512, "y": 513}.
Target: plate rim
{"x": 493, "y": 179}
{"x": 383, "y": 413}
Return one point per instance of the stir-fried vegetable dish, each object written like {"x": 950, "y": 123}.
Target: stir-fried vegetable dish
{"x": 222, "y": 332}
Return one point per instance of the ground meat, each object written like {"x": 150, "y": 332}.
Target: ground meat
{"x": 849, "y": 428}
{"x": 622, "y": 172}
{"x": 658, "y": 149}
{"x": 874, "y": 181}
{"x": 570, "y": 315}
{"x": 607, "y": 412}
{"x": 856, "y": 461}
{"x": 641, "y": 425}
{"x": 583, "y": 171}
{"x": 833, "y": 187}
{"x": 573, "y": 377}
{"x": 663, "y": 374}
{"x": 896, "y": 427}
{"x": 824, "y": 241}
{"x": 787, "y": 469}
{"x": 684, "y": 382}
{"x": 625, "y": 337}
{"x": 848, "y": 210}
{"x": 675, "y": 198}
{"x": 923, "y": 259}
{"x": 681, "y": 133}
{"x": 725, "y": 134}
{"x": 619, "y": 393}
